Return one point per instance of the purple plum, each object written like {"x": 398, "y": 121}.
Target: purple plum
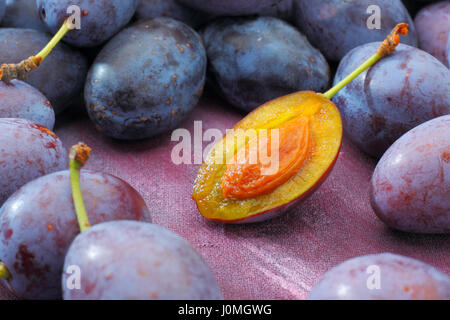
{"x": 38, "y": 224}
{"x": 395, "y": 95}
{"x": 400, "y": 278}
{"x": 335, "y": 27}
{"x": 411, "y": 183}
{"x": 257, "y": 59}
{"x": 22, "y": 14}
{"x": 20, "y": 100}
{"x": 230, "y": 7}
{"x": 149, "y": 9}
{"x": 27, "y": 151}
{"x": 126, "y": 260}
{"x": 100, "y": 20}
{"x": 433, "y": 28}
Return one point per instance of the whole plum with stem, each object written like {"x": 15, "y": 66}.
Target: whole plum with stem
{"x": 402, "y": 91}
{"x": 44, "y": 209}
{"x": 61, "y": 75}
{"x": 124, "y": 260}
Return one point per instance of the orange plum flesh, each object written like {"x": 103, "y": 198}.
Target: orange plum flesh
{"x": 229, "y": 188}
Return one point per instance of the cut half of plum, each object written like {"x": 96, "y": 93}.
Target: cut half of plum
{"x": 323, "y": 145}
{"x": 278, "y": 154}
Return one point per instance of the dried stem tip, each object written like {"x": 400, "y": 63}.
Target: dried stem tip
{"x": 19, "y": 70}
{"x": 80, "y": 153}
{"x": 391, "y": 42}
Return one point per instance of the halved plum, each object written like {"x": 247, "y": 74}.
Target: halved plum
{"x": 325, "y": 132}
{"x": 300, "y": 133}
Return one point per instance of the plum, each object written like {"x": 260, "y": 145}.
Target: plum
{"x": 411, "y": 183}
{"x": 230, "y": 7}
{"x": 100, "y": 20}
{"x": 335, "y": 27}
{"x": 20, "y": 100}
{"x": 60, "y": 77}
{"x": 254, "y": 60}
{"x": 2, "y": 9}
{"x": 27, "y": 151}
{"x": 279, "y": 154}
{"x": 137, "y": 261}
{"x": 401, "y": 278}
{"x": 146, "y": 79}
{"x": 283, "y": 9}
{"x": 38, "y": 224}
{"x": 148, "y": 9}
{"x": 433, "y": 29}
{"x": 22, "y": 14}
{"x": 400, "y": 92}
{"x": 320, "y": 138}
{"x": 447, "y": 50}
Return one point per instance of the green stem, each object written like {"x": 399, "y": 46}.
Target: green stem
{"x": 53, "y": 42}
{"x": 4, "y": 273}
{"x": 75, "y": 168}
{"x": 366, "y": 65}
{"x": 387, "y": 47}
{"x": 21, "y": 70}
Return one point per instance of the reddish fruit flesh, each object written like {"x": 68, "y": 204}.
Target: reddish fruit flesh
{"x": 245, "y": 179}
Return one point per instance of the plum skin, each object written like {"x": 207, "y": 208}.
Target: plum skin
{"x": 139, "y": 87}
{"x": 43, "y": 210}
{"x": 123, "y": 260}
{"x": 20, "y": 100}
{"x": 2, "y": 9}
{"x": 100, "y": 20}
{"x": 254, "y": 60}
{"x": 60, "y": 76}
{"x": 409, "y": 188}
{"x": 208, "y": 178}
{"x": 433, "y": 28}
{"x": 335, "y": 27}
{"x": 22, "y": 14}
{"x": 148, "y": 9}
{"x": 230, "y": 7}
{"x": 401, "y": 278}
{"x": 27, "y": 151}
{"x": 395, "y": 95}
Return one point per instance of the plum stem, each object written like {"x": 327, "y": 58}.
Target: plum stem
{"x": 352, "y": 76}
{"x": 78, "y": 156}
{"x": 4, "y": 273}
{"x": 21, "y": 70}
{"x": 387, "y": 47}
{"x": 53, "y": 42}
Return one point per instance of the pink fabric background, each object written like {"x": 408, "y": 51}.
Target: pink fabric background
{"x": 278, "y": 259}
